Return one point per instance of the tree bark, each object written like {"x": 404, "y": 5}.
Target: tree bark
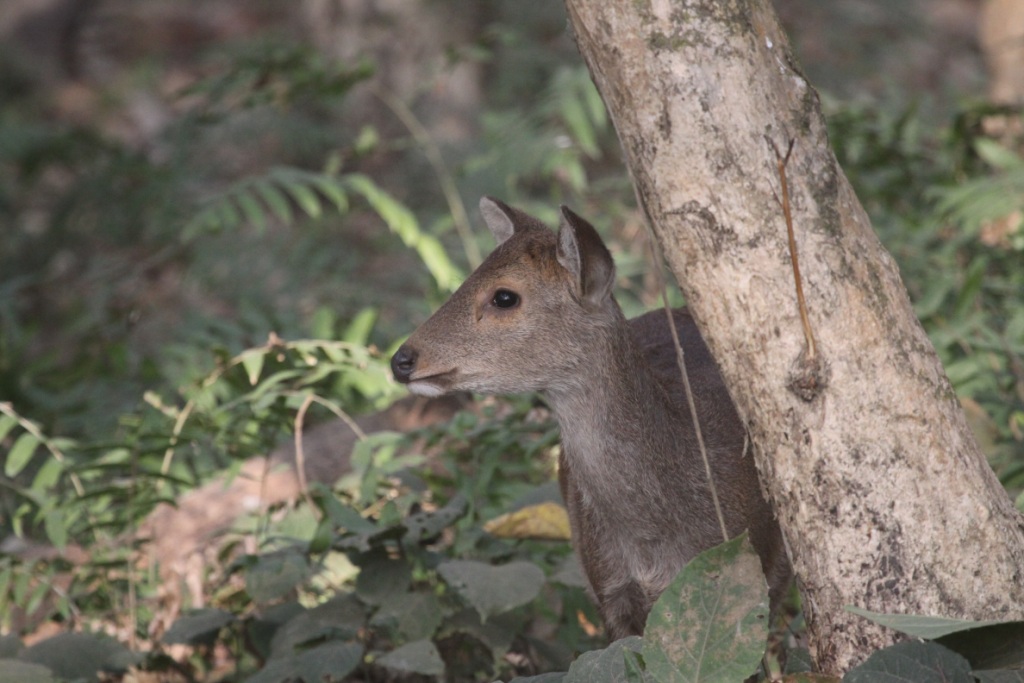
{"x": 885, "y": 499}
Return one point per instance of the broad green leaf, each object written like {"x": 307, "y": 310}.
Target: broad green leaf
{"x": 252, "y": 361}
{"x": 262, "y": 627}
{"x": 20, "y": 454}
{"x": 996, "y": 646}
{"x": 322, "y": 537}
{"x": 197, "y": 627}
{"x": 10, "y": 644}
{"x": 492, "y": 590}
{"x": 410, "y": 616}
{"x": 421, "y": 526}
{"x": 912, "y": 661}
{"x": 275, "y": 574}
{"x": 603, "y": 666}
{"x": 343, "y": 516}
{"x": 359, "y": 328}
{"x": 339, "y": 618}
{"x": 13, "y": 671}
{"x": 553, "y": 677}
{"x": 497, "y": 633}
{"x": 999, "y": 675}
{"x": 919, "y": 626}
{"x": 570, "y": 573}
{"x": 635, "y": 671}
{"x": 798, "y": 661}
{"x": 74, "y": 656}
{"x": 380, "y": 577}
{"x": 710, "y": 624}
{"x": 55, "y": 523}
{"x": 417, "y": 657}
{"x": 327, "y": 663}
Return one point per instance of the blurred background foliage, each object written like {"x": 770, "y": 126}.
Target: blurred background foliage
{"x": 216, "y": 219}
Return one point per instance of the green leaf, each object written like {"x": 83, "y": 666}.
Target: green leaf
{"x": 417, "y": 657}
{"x": 6, "y": 424}
{"x": 252, "y": 210}
{"x": 798, "y": 661}
{"x": 575, "y": 117}
{"x": 711, "y": 622}
{"x": 339, "y": 618}
{"x": 13, "y": 671}
{"x": 20, "y": 454}
{"x": 997, "y": 155}
{"x": 919, "y": 626}
{"x": 275, "y": 199}
{"x": 999, "y": 676}
{"x": 492, "y": 590}
{"x": 252, "y": 361}
{"x": 333, "y": 190}
{"x": 421, "y": 526}
{"x": 381, "y": 576}
{"x": 403, "y": 223}
{"x": 275, "y": 574}
{"x": 303, "y": 196}
{"x": 227, "y": 214}
{"x": 409, "y": 616}
{"x": 995, "y": 646}
{"x": 912, "y": 661}
{"x": 603, "y": 666}
{"x": 10, "y": 644}
{"x": 322, "y": 537}
{"x": 446, "y": 275}
{"x": 48, "y": 475}
{"x": 552, "y": 677}
{"x": 200, "y": 626}
{"x": 78, "y": 655}
{"x": 327, "y": 663}
{"x": 497, "y": 633}
{"x": 55, "y": 523}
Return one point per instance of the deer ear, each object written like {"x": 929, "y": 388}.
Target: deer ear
{"x": 498, "y": 217}
{"x": 583, "y": 254}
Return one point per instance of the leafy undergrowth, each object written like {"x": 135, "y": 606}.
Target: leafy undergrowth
{"x": 441, "y": 555}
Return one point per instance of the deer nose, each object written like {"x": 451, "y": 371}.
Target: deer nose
{"x": 403, "y": 363}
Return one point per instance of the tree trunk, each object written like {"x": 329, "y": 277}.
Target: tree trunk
{"x": 886, "y": 501}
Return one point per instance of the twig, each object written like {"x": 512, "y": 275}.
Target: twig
{"x": 658, "y": 264}
{"x": 300, "y": 456}
{"x": 781, "y": 161}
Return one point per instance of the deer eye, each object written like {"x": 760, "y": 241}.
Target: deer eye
{"x": 504, "y": 298}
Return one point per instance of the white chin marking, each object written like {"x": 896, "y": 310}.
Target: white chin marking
{"x": 422, "y": 388}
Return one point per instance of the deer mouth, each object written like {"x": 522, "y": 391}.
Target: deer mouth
{"x": 432, "y": 385}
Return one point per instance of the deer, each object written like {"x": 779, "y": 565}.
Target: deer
{"x": 539, "y": 315}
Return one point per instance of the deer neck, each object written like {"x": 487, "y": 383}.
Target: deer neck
{"x": 615, "y": 413}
